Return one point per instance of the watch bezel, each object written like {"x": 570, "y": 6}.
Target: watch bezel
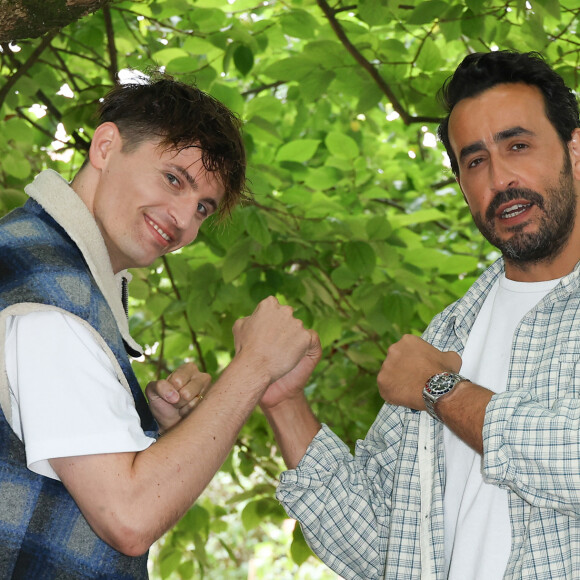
{"x": 436, "y": 387}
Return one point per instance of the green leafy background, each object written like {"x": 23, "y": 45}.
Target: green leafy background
{"x": 356, "y": 220}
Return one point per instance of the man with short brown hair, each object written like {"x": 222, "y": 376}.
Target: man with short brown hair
{"x": 85, "y": 486}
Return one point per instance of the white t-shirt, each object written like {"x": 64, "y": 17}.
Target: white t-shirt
{"x": 477, "y": 525}
{"x": 65, "y": 397}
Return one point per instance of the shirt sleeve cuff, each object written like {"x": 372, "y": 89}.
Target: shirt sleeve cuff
{"x": 499, "y": 418}
{"x": 321, "y": 458}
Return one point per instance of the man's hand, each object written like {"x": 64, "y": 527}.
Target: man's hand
{"x": 174, "y": 398}
{"x": 271, "y": 340}
{"x": 292, "y": 383}
{"x": 409, "y": 364}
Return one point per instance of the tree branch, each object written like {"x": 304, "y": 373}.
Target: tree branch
{"x": 23, "y": 68}
{"x": 65, "y": 69}
{"x": 81, "y": 144}
{"x": 21, "y": 19}
{"x": 371, "y": 70}
{"x": 114, "y": 65}
{"x": 262, "y": 88}
{"x": 194, "y": 339}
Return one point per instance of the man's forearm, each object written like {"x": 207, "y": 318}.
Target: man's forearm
{"x": 463, "y": 411}
{"x": 131, "y": 499}
{"x": 294, "y": 426}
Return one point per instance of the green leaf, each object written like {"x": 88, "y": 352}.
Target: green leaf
{"x": 472, "y": 25}
{"x": 294, "y": 68}
{"x": 228, "y": 95}
{"x": 418, "y": 217}
{"x": 427, "y": 11}
{"x": 314, "y": 85}
{"x": 329, "y": 329}
{"x": 273, "y": 254}
{"x": 182, "y": 64}
{"x": 299, "y": 549}
{"x": 165, "y": 56}
{"x": 534, "y": 32}
{"x": 266, "y": 107}
{"x": 378, "y": 227}
{"x": 399, "y": 309}
{"x": 344, "y": 277}
{"x": 208, "y": 20}
{"x": 244, "y": 59}
{"x": 169, "y": 561}
{"x": 322, "y": 178}
{"x": 392, "y": 48}
{"x": 475, "y": 5}
{"x": 430, "y": 57}
{"x": 374, "y": 12}
{"x": 257, "y": 226}
{"x": 299, "y": 24}
{"x": 236, "y": 260}
{"x": 11, "y": 199}
{"x": 458, "y": 265}
{"x": 360, "y": 257}
{"x": 251, "y": 518}
{"x": 17, "y": 130}
{"x": 197, "y": 519}
{"x": 300, "y": 150}
{"x": 341, "y": 145}
{"x": 361, "y": 358}
{"x": 552, "y": 7}
{"x": 186, "y": 570}
{"x": 16, "y": 165}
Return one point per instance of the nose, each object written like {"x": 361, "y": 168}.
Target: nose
{"x": 502, "y": 174}
{"x": 182, "y": 212}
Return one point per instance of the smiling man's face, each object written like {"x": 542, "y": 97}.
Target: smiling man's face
{"x": 149, "y": 202}
{"x": 514, "y": 171}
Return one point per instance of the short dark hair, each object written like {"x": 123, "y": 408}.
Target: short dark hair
{"x": 483, "y": 70}
{"x": 181, "y": 116}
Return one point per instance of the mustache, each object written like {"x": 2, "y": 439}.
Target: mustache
{"x": 511, "y": 194}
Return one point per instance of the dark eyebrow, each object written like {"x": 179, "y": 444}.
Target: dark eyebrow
{"x": 186, "y": 175}
{"x": 193, "y": 184}
{"x": 513, "y": 132}
{"x": 469, "y": 149}
{"x": 497, "y": 138}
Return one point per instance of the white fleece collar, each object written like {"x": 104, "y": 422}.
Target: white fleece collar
{"x": 62, "y": 203}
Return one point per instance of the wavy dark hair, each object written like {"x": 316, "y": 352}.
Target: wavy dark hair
{"x": 181, "y": 116}
{"x": 483, "y": 70}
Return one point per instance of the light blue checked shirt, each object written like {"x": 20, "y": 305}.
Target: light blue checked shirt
{"x": 379, "y": 514}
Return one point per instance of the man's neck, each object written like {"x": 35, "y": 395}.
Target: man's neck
{"x": 549, "y": 269}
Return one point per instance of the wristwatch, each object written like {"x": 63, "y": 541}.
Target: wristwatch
{"x": 437, "y": 386}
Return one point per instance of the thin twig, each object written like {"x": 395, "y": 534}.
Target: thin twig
{"x": 24, "y": 67}
{"x": 371, "y": 70}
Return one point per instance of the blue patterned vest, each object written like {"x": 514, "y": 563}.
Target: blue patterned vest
{"x": 43, "y": 535}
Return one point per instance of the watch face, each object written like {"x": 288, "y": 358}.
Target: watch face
{"x": 441, "y": 383}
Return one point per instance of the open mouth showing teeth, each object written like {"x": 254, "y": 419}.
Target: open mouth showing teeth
{"x": 159, "y": 230}
{"x": 514, "y": 210}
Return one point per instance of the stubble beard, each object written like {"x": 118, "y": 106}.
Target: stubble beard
{"x": 555, "y": 226}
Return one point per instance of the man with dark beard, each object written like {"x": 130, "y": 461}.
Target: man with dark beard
{"x": 556, "y": 223}
{"x": 486, "y": 483}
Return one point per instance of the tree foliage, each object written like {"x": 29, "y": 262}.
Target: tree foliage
{"x": 356, "y": 220}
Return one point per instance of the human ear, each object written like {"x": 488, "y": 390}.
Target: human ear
{"x": 574, "y": 152}
{"x": 105, "y": 142}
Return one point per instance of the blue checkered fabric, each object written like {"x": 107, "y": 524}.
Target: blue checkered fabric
{"x": 43, "y": 535}
{"x": 379, "y": 514}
